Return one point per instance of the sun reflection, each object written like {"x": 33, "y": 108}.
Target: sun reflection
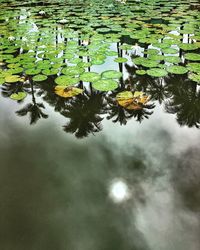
{"x": 119, "y": 191}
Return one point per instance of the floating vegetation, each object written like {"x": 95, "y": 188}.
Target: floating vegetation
{"x": 18, "y": 96}
{"x": 67, "y": 92}
{"x": 39, "y": 78}
{"x": 174, "y": 69}
{"x": 132, "y": 101}
{"x": 156, "y": 72}
{"x": 66, "y": 80}
{"x": 90, "y": 77}
{"x": 111, "y": 74}
{"x": 105, "y": 85}
{"x": 114, "y": 46}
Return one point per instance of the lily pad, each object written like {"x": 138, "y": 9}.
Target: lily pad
{"x": 111, "y": 74}
{"x": 172, "y": 59}
{"x": 189, "y": 46}
{"x": 121, "y": 60}
{"x": 105, "y": 85}
{"x": 177, "y": 69}
{"x": 157, "y": 72}
{"x": 194, "y": 77}
{"x": 18, "y": 96}
{"x": 39, "y": 78}
{"x": 170, "y": 51}
{"x": 12, "y": 78}
{"x": 50, "y": 72}
{"x": 90, "y": 77}
{"x": 67, "y": 92}
{"x": 192, "y": 56}
{"x": 194, "y": 67}
{"x": 132, "y": 101}
{"x": 66, "y": 80}
{"x": 2, "y": 81}
{"x": 73, "y": 70}
{"x": 32, "y": 72}
{"x": 140, "y": 72}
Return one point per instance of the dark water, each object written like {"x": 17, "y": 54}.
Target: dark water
{"x": 87, "y": 174}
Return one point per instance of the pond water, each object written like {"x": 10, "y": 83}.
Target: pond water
{"x": 99, "y": 125}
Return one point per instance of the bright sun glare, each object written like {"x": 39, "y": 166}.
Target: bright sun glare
{"x": 119, "y": 191}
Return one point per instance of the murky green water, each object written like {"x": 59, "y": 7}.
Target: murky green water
{"x": 116, "y": 165}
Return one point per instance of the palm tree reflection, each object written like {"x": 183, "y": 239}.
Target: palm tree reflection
{"x": 84, "y": 113}
{"x": 34, "y": 109}
{"x": 184, "y": 102}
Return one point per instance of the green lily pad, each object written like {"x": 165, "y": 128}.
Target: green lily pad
{"x": 18, "y": 96}
{"x": 149, "y": 63}
{"x": 73, "y": 70}
{"x": 140, "y": 72}
{"x": 32, "y": 72}
{"x": 177, "y": 69}
{"x": 2, "y": 81}
{"x": 192, "y": 56}
{"x": 50, "y": 72}
{"x": 172, "y": 59}
{"x": 194, "y": 77}
{"x": 66, "y": 80}
{"x": 157, "y": 72}
{"x": 105, "y": 85}
{"x": 39, "y": 78}
{"x": 97, "y": 62}
{"x": 189, "y": 46}
{"x": 90, "y": 77}
{"x": 111, "y": 74}
{"x": 170, "y": 51}
{"x": 12, "y": 78}
{"x": 121, "y": 60}
{"x": 194, "y": 67}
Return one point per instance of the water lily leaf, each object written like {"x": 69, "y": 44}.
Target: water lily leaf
{"x": 18, "y": 96}
{"x": 12, "y": 78}
{"x": 2, "y": 81}
{"x": 73, "y": 70}
{"x": 157, "y": 72}
{"x": 194, "y": 77}
{"x": 14, "y": 71}
{"x": 67, "y": 92}
{"x": 192, "y": 56}
{"x": 172, "y": 59}
{"x": 140, "y": 72}
{"x": 132, "y": 101}
{"x": 194, "y": 67}
{"x": 66, "y": 80}
{"x": 39, "y": 78}
{"x": 111, "y": 53}
{"x": 50, "y": 72}
{"x": 170, "y": 51}
{"x": 32, "y": 71}
{"x": 111, "y": 74}
{"x": 149, "y": 63}
{"x": 121, "y": 60}
{"x": 177, "y": 69}
{"x": 105, "y": 85}
{"x": 124, "y": 95}
{"x": 189, "y": 46}
{"x": 90, "y": 77}
{"x": 97, "y": 62}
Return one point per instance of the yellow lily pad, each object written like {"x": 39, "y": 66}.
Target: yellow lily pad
{"x": 67, "y": 92}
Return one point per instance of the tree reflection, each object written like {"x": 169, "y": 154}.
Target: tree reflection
{"x": 184, "y": 101}
{"x": 34, "y": 109}
{"x": 84, "y": 113}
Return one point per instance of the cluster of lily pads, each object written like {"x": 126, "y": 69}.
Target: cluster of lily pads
{"x": 71, "y": 42}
